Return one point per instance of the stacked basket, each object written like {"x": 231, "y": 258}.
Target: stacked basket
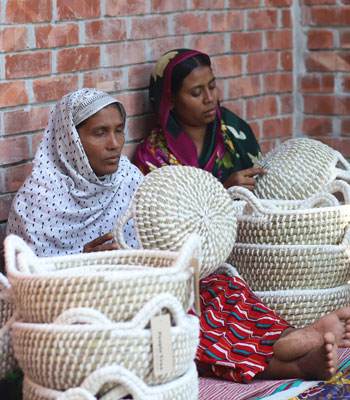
{"x": 295, "y": 254}
{"x": 84, "y": 323}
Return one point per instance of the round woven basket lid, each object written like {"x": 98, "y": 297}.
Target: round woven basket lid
{"x": 174, "y": 201}
{"x": 299, "y": 168}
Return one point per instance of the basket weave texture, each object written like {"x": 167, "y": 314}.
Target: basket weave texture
{"x": 299, "y": 168}
{"x": 43, "y": 288}
{"x": 62, "y": 354}
{"x": 173, "y": 201}
{"x": 125, "y": 383}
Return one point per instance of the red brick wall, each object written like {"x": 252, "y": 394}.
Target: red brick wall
{"x": 113, "y": 44}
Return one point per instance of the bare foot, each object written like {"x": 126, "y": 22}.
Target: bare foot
{"x": 298, "y": 342}
{"x": 320, "y": 363}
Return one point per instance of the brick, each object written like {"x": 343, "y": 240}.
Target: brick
{"x": 244, "y": 3}
{"x": 286, "y": 18}
{"x": 13, "y": 93}
{"x": 314, "y": 2}
{"x": 138, "y": 76}
{"x": 162, "y": 6}
{"x": 54, "y": 87}
{"x": 277, "y": 83}
{"x": 328, "y": 61}
{"x": 340, "y": 144}
{"x": 245, "y": 42}
{"x": 190, "y": 23}
{"x": 135, "y": 103}
{"x": 14, "y": 39}
{"x": 77, "y": 59}
{"x": 345, "y": 126}
{"x": 345, "y": 39}
{"x": 277, "y": 127}
{"x": 286, "y": 60}
{"x": 261, "y": 107}
{"x": 5, "y": 204}
{"x": 56, "y": 35}
{"x": 320, "y": 39}
{"x": 206, "y": 4}
{"x": 143, "y": 27}
{"x": 225, "y": 66}
{"x": 262, "y": 62}
{"x": 105, "y": 31}
{"x": 345, "y": 83}
{"x": 287, "y": 103}
{"x": 129, "y": 150}
{"x": 279, "y": 40}
{"x": 317, "y": 83}
{"x": 318, "y": 126}
{"x": 262, "y": 19}
{"x": 15, "y": 176}
{"x": 126, "y": 7}
{"x": 266, "y": 146}
{"x": 227, "y": 21}
{"x": 278, "y": 3}
{"x": 28, "y": 11}
{"x": 24, "y": 65}
{"x": 125, "y": 53}
{"x": 209, "y": 44}
{"x": 35, "y": 139}
{"x": 327, "y": 16}
{"x": 140, "y": 126}
{"x": 255, "y": 126}
{"x": 109, "y": 80}
{"x": 245, "y": 86}
{"x": 20, "y": 121}
{"x": 236, "y": 106}
{"x": 160, "y": 46}
{"x": 77, "y": 9}
{"x": 326, "y": 104}
{"x": 14, "y": 150}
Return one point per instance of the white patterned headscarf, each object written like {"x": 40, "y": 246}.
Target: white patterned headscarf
{"x": 63, "y": 204}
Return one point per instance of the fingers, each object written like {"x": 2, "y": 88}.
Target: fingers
{"x": 256, "y": 170}
{"x": 99, "y": 244}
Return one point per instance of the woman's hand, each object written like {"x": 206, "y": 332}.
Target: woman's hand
{"x": 99, "y": 244}
{"x": 245, "y": 178}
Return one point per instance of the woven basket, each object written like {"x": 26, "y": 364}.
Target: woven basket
{"x": 293, "y": 222}
{"x": 302, "y": 307}
{"x": 116, "y": 283}
{"x": 299, "y": 168}
{"x": 173, "y": 201}
{"x": 62, "y": 354}
{"x": 126, "y": 383}
{"x": 281, "y": 267}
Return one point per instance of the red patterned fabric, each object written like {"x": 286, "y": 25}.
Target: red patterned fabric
{"x": 237, "y": 330}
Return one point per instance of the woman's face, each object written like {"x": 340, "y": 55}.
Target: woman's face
{"x": 102, "y": 136}
{"x": 194, "y": 105}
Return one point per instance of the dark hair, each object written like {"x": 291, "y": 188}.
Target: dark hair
{"x": 181, "y": 70}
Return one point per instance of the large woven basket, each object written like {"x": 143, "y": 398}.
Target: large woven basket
{"x": 293, "y": 222}
{"x": 116, "y": 283}
{"x": 62, "y": 354}
{"x": 126, "y": 383}
{"x": 173, "y": 201}
{"x": 302, "y": 307}
{"x": 280, "y": 267}
{"x": 7, "y": 317}
{"x": 299, "y": 168}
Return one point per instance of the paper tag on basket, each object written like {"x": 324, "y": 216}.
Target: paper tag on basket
{"x": 197, "y": 304}
{"x": 161, "y": 343}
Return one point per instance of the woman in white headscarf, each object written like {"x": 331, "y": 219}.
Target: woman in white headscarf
{"x": 80, "y": 183}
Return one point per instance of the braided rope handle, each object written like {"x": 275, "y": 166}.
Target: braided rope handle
{"x": 154, "y": 306}
{"x": 341, "y": 187}
{"x": 118, "y": 229}
{"x": 342, "y": 173}
{"x": 15, "y": 246}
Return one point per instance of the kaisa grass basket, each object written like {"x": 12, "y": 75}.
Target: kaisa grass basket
{"x": 7, "y": 317}
{"x": 62, "y": 354}
{"x": 299, "y": 168}
{"x": 282, "y": 267}
{"x": 173, "y": 201}
{"x": 302, "y": 307}
{"x": 317, "y": 220}
{"x": 116, "y": 283}
{"x": 125, "y": 383}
